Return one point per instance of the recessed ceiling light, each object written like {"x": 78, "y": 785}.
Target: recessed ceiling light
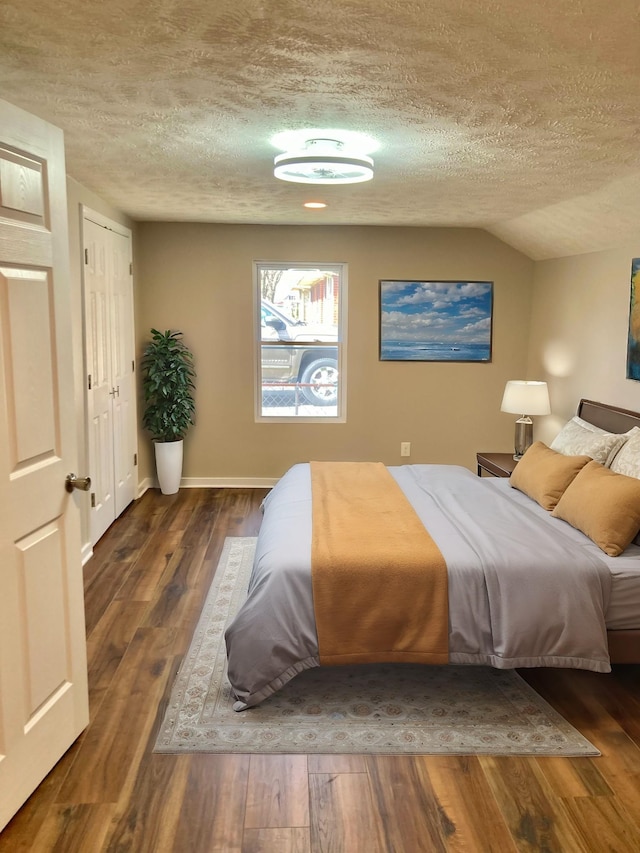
{"x": 324, "y": 157}
{"x": 314, "y": 204}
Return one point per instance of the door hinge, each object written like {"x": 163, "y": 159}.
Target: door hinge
{"x": 86, "y": 256}
{"x": 131, "y": 268}
{"x": 89, "y": 382}
{"x": 135, "y": 458}
{"x": 93, "y": 500}
{"x": 133, "y": 367}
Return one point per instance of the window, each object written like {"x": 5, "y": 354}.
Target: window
{"x": 300, "y": 319}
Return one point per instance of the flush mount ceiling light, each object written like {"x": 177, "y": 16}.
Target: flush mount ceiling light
{"x": 323, "y": 161}
{"x": 323, "y": 157}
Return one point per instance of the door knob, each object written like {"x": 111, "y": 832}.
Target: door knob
{"x": 72, "y": 482}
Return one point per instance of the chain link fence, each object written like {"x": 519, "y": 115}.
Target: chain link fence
{"x": 289, "y": 400}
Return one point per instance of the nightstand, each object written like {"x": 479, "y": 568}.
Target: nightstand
{"x": 496, "y": 464}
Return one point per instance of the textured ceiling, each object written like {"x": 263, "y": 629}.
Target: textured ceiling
{"x": 521, "y": 118}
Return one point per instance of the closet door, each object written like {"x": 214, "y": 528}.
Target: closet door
{"x": 122, "y": 372}
{"x": 99, "y": 388}
{"x": 110, "y": 370}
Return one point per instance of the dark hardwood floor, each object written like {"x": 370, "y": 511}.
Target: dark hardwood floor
{"x": 144, "y": 589}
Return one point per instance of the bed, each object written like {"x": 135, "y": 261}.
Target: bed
{"x": 510, "y": 564}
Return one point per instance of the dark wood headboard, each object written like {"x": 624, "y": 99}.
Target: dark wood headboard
{"x": 610, "y": 418}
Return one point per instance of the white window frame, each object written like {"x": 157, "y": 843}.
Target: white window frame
{"x": 340, "y": 344}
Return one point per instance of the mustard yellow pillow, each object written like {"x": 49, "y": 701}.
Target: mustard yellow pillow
{"x": 544, "y": 474}
{"x": 604, "y": 505}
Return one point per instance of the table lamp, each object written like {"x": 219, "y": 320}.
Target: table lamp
{"x": 522, "y": 396}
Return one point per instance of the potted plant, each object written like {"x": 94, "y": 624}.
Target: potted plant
{"x": 167, "y": 382}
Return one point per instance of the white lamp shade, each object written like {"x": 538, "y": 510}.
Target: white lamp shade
{"x": 522, "y": 397}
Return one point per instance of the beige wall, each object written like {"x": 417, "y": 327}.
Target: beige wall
{"x": 578, "y": 336}
{"x": 562, "y": 320}
{"x": 198, "y": 278}
{"x": 77, "y": 195}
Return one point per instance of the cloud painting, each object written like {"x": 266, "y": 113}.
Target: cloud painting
{"x": 435, "y": 320}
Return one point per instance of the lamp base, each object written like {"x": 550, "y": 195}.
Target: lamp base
{"x": 523, "y": 437}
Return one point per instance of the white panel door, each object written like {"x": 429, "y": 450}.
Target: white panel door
{"x": 122, "y": 367}
{"x": 99, "y": 388}
{"x": 109, "y": 343}
{"x": 43, "y": 673}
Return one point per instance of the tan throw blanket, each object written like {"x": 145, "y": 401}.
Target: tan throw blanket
{"x": 379, "y": 580}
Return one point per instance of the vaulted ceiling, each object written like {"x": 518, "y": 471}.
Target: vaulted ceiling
{"x": 520, "y": 118}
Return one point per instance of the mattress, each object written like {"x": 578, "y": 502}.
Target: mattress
{"x": 623, "y": 610}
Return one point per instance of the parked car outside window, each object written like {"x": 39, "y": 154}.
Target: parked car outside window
{"x": 313, "y": 369}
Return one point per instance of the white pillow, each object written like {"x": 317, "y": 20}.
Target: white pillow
{"x": 580, "y": 438}
{"x": 629, "y": 463}
{"x": 627, "y": 460}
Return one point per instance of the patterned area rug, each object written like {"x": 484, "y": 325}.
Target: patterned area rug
{"x": 398, "y": 708}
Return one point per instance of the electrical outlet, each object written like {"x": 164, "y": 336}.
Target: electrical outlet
{"x": 405, "y": 448}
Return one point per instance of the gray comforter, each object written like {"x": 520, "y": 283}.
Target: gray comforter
{"x": 524, "y": 588}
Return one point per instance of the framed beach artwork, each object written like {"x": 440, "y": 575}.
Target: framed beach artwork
{"x": 435, "y": 320}
{"x": 633, "y": 340}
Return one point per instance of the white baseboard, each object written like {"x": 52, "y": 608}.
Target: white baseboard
{"x": 143, "y": 485}
{"x": 86, "y": 553}
{"x": 213, "y": 483}
{"x": 228, "y": 482}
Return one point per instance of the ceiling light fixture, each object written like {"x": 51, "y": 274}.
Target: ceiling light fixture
{"x": 314, "y": 205}
{"x": 323, "y": 160}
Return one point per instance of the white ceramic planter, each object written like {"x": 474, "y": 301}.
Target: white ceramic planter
{"x": 169, "y": 465}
